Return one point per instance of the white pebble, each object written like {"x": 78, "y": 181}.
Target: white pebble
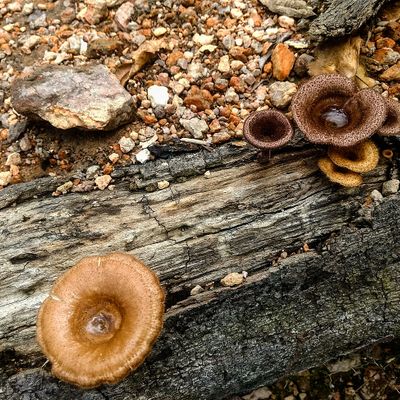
{"x": 5, "y": 178}
{"x": 126, "y": 144}
{"x": 143, "y": 156}
{"x": 162, "y": 185}
{"x": 158, "y": 95}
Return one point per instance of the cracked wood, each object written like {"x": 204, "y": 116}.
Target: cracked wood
{"x": 289, "y": 315}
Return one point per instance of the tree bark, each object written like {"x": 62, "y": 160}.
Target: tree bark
{"x": 343, "y": 17}
{"x": 293, "y": 311}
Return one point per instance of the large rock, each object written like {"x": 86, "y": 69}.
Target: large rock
{"x": 87, "y": 97}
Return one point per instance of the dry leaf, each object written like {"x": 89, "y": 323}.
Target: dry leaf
{"x": 140, "y": 57}
{"x": 364, "y": 81}
{"x": 341, "y": 58}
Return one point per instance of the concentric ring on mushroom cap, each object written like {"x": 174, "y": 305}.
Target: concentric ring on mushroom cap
{"x": 267, "y": 129}
{"x": 101, "y": 319}
{"x": 362, "y": 157}
{"x": 391, "y": 126}
{"x": 365, "y": 111}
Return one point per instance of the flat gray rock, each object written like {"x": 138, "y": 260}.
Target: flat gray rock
{"x": 88, "y": 97}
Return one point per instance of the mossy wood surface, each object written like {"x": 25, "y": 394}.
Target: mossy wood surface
{"x": 290, "y": 314}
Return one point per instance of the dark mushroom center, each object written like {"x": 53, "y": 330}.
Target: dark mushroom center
{"x": 268, "y": 129}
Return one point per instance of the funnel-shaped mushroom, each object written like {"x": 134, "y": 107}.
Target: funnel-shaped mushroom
{"x": 329, "y": 109}
{"x": 362, "y": 157}
{"x": 391, "y": 126}
{"x": 101, "y": 319}
{"x": 339, "y": 175}
{"x": 267, "y": 130}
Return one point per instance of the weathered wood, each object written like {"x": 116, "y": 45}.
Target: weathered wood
{"x": 343, "y": 17}
{"x": 289, "y": 315}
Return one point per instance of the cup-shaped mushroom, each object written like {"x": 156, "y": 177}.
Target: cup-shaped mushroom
{"x": 267, "y": 129}
{"x": 339, "y": 175}
{"x": 328, "y": 109}
{"x": 391, "y": 126}
{"x": 362, "y": 157}
{"x": 101, "y": 319}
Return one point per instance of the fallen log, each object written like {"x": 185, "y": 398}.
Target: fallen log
{"x": 300, "y": 306}
{"x": 343, "y": 17}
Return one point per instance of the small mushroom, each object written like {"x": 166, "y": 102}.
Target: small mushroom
{"x": 391, "y": 126}
{"x": 339, "y": 175}
{"x": 362, "y": 157}
{"x": 101, "y": 319}
{"x": 387, "y": 153}
{"x": 329, "y": 109}
{"x": 267, "y": 130}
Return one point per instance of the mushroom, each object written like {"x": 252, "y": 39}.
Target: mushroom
{"x": 338, "y": 174}
{"x": 387, "y": 153}
{"x": 101, "y": 319}
{"x": 329, "y": 109}
{"x": 362, "y": 157}
{"x": 391, "y": 126}
{"x": 266, "y": 130}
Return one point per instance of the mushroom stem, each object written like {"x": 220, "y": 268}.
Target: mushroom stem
{"x": 264, "y": 156}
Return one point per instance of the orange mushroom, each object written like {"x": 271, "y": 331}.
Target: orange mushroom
{"x": 101, "y": 319}
{"x": 339, "y": 175}
{"x": 362, "y": 157}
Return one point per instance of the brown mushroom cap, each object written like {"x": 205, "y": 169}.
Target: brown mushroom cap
{"x": 267, "y": 129}
{"x": 391, "y": 126}
{"x": 328, "y": 109}
{"x": 339, "y": 175}
{"x": 101, "y": 319}
{"x": 362, "y": 157}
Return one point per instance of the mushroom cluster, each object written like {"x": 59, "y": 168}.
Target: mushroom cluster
{"x": 101, "y": 319}
{"x": 330, "y": 110}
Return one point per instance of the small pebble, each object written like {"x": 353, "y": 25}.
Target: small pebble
{"x": 103, "y": 181}
{"x": 376, "y": 196}
{"x": 5, "y": 178}
{"x": 158, "y": 95}
{"x": 65, "y": 188}
{"x": 92, "y": 171}
{"x": 126, "y": 144}
{"x": 196, "y": 290}
{"x": 143, "y": 156}
{"x": 114, "y": 157}
{"x": 162, "y": 185}
{"x": 13, "y": 159}
{"x": 390, "y": 187}
{"x": 232, "y": 279}
{"x": 159, "y": 31}
{"x": 224, "y": 65}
